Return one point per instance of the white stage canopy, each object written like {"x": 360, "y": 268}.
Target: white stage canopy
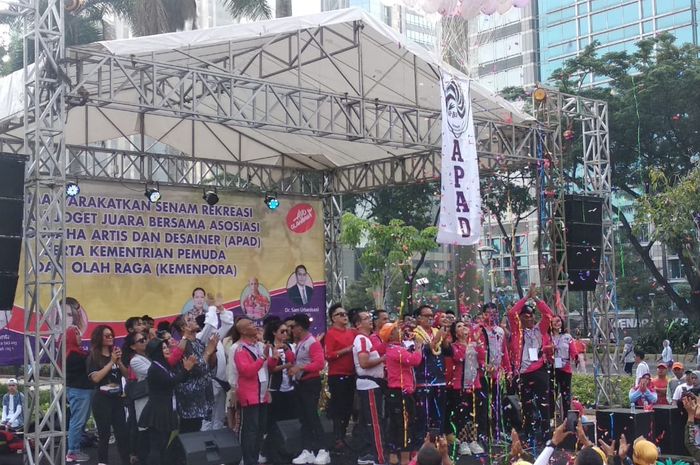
{"x": 318, "y": 92}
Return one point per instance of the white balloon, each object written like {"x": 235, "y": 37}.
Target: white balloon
{"x": 448, "y": 7}
{"x": 489, "y": 7}
{"x": 504, "y": 6}
{"x": 470, "y": 9}
{"x": 430, "y": 6}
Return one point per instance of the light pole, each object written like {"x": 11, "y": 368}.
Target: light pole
{"x": 485, "y": 256}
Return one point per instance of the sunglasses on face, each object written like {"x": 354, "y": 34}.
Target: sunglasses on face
{"x": 139, "y": 341}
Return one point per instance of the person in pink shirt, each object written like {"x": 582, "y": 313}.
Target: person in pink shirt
{"x": 565, "y": 351}
{"x": 401, "y": 404}
{"x": 530, "y": 350}
{"x": 468, "y": 358}
{"x": 252, "y": 363}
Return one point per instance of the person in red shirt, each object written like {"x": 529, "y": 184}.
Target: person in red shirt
{"x": 468, "y": 359}
{"x": 379, "y": 318}
{"x": 660, "y": 384}
{"x": 308, "y": 363}
{"x": 565, "y": 352}
{"x": 341, "y": 372}
{"x": 530, "y": 350}
{"x": 401, "y": 386}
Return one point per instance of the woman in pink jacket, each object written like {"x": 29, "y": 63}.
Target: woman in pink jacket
{"x": 468, "y": 358}
{"x": 400, "y": 403}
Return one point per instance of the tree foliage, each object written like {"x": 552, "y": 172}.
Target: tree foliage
{"x": 654, "y": 116}
{"x": 414, "y": 204}
{"x": 388, "y": 251}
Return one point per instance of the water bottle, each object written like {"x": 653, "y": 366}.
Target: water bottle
{"x": 632, "y": 407}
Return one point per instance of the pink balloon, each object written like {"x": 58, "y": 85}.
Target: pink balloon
{"x": 521, "y": 3}
{"x": 489, "y": 7}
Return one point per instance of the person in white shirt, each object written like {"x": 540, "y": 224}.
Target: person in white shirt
{"x": 667, "y": 353}
{"x": 369, "y": 366}
{"x": 642, "y": 367}
{"x": 697, "y": 346}
{"x": 12, "y": 415}
{"x": 690, "y": 380}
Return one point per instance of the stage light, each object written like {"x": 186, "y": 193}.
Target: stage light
{"x": 540, "y": 94}
{"x": 72, "y": 189}
{"x": 211, "y": 197}
{"x": 272, "y": 202}
{"x": 153, "y": 193}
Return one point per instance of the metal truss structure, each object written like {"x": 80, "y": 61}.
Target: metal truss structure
{"x": 44, "y": 232}
{"x": 558, "y": 112}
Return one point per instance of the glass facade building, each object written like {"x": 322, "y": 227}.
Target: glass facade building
{"x": 568, "y": 26}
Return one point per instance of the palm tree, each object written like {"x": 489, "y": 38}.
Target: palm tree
{"x": 257, "y": 9}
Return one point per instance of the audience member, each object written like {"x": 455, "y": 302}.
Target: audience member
{"x": 79, "y": 392}
{"x": 12, "y": 403}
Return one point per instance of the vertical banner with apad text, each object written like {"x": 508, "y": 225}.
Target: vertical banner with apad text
{"x": 460, "y": 204}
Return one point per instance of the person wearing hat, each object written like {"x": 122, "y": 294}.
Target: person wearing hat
{"x": 530, "y": 347}
{"x": 400, "y": 363}
{"x": 660, "y": 383}
{"x": 643, "y": 393}
{"x": 675, "y": 380}
{"x": 12, "y": 415}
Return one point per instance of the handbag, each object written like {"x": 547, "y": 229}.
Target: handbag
{"x": 137, "y": 390}
{"x": 225, "y": 385}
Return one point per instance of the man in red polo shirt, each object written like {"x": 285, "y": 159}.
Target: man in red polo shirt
{"x": 341, "y": 372}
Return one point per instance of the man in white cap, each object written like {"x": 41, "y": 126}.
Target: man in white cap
{"x": 12, "y": 415}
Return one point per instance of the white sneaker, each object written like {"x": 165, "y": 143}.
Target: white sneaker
{"x": 304, "y": 458}
{"x": 262, "y": 458}
{"x": 464, "y": 449}
{"x": 476, "y": 448}
{"x": 322, "y": 458}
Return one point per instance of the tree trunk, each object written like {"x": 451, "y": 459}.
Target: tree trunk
{"x": 283, "y": 8}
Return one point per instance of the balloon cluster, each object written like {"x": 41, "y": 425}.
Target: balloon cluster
{"x": 467, "y": 9}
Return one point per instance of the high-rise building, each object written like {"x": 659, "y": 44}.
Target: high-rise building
{"x": 568, "y": 26}
{"x": 502, "y": 49}
{"x": 414, "y": 25}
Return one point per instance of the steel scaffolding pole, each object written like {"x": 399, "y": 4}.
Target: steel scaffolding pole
{"x": 44, "y": 232}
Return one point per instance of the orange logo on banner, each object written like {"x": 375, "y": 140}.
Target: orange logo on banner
{"x": 301, "y": 218}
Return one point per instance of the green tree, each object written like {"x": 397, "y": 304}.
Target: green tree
{"x": 654, "y": 112}
{"x": 508, "y": 198}
{"x": 258, "y": 9}
{"x": 388, "y": 252}
{"x": 414, "y": 204}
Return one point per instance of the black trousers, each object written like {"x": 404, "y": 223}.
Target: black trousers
{"x": 159, "y": 451}
{"x": 430, "y": 411}
{"x": 109, "y": 416}
{"x": 488, "y": 407}
{"x": 308, "y": 394}
{"x": 401, "y": 415}
{"x": 461, "y": 416}
{"x": 371, "y": 414}
{"x": 253, "y": 421}
{"x": 563, "y": 385}
{"x": 535, "y": 399}
{"x": 342, "y": 389}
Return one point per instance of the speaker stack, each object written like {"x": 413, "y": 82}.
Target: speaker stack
{"x": 612, "y": 423}
{"x": 669, "y": 426}
{"x": 584, "y": 236}
{"x": 12, "y": 208}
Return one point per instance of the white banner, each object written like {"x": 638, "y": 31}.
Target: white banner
{"x": 460, "y": 204}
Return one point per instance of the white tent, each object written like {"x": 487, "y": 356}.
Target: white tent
{"x": 207, "y": 93}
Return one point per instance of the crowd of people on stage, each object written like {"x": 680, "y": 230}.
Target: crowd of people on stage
{"x": 426, "y": 375}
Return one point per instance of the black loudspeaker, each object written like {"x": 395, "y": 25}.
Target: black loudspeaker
{"x": 584, "y": 236}
{"x": 669, "y": 427}
{"x": 12, "y": 207}
{"x": 612, "y": 423}
{"x": 211, "y": 447}
{"x": 287, "y": 436}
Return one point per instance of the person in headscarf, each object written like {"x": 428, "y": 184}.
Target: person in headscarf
{"x": 159, "y": 414}
{"x": 79, "y": 392}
